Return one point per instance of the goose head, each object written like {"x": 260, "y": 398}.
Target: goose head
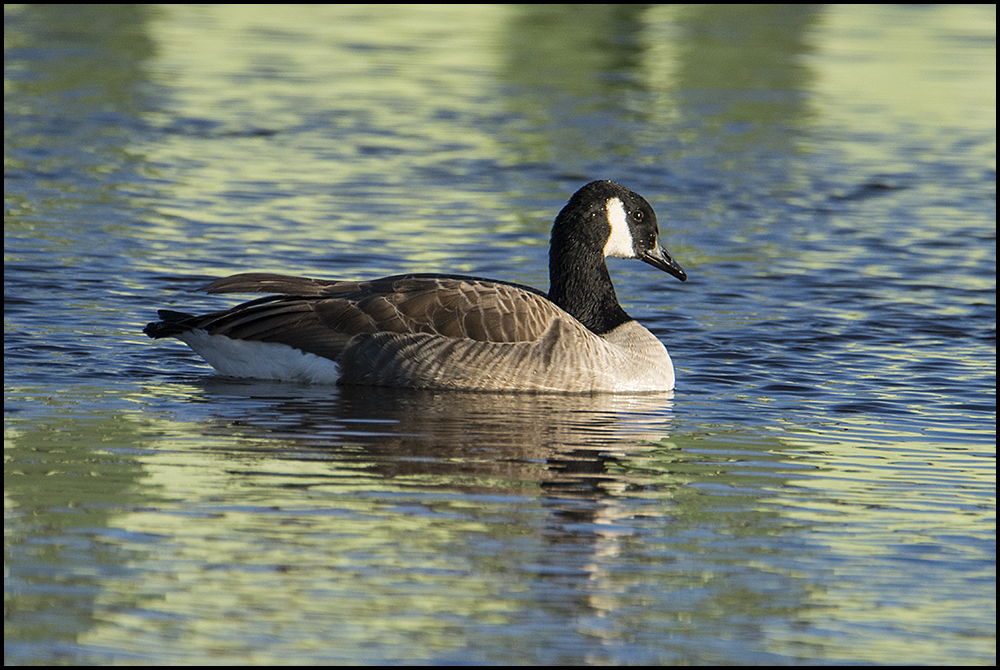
{"x": 602, "y": 220}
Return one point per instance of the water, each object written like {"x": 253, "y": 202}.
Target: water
{"x": 819, "y": 488}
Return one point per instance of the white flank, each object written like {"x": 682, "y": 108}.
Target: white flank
{"x": 260, "y": 360}
{"x": 619, "y": 243}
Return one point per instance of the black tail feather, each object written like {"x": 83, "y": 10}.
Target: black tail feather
{"x": 173, "y": 323}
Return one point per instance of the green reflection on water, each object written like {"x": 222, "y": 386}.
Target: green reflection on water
{"x": 257, "y": 542}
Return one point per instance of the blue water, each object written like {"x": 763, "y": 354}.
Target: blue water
{"x": 820, "y": 488}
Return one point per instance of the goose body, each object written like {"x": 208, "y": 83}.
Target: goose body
{"x": 452, "y": 331}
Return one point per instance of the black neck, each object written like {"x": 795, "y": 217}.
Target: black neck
{"x": 581, "y": 285}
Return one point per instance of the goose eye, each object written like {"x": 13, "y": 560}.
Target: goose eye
{"x": 637, "y": 215}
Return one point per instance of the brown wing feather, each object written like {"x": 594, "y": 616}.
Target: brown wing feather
{"x": 323, "y": 317}
{"x": 265, "y": 282}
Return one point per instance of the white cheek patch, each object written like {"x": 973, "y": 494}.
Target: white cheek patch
{"x": 620, "y": 241}
{"x": 260, "y": 360}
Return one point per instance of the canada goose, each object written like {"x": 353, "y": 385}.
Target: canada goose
{"x": 451, "y": 331}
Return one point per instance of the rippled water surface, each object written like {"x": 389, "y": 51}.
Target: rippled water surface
{"x": 821, "y": 486}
